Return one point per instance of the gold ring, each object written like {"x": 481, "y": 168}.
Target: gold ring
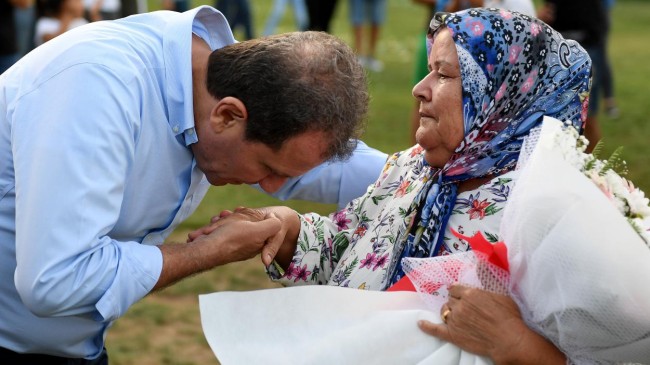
{"x": 445, "y": 314}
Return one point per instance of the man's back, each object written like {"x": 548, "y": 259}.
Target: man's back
{"x": 93, "y": 161}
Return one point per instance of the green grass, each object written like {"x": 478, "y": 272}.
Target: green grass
{"x": 164, "y": 328}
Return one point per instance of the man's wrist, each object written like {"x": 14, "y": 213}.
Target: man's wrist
{"x": 181, "y": 260}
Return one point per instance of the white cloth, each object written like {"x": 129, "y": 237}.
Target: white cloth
{"x": 579, "y": 271}
{"x": 324, "y": 325}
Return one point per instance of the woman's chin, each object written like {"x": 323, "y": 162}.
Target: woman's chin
{"x": 436, "y": 158}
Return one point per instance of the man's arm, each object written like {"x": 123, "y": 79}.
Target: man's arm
{"x": 337, "y": 182}
{"x": 239, "y": 240}
{"x": 71, "y": 154}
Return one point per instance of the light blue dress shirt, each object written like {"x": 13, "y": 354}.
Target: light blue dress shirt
{"x": 96, "y": 169}
{"x": 337, "y": 181}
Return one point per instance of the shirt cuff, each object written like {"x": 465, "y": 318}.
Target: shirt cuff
{"x": 138, "y": 272}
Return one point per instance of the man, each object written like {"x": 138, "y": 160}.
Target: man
{"x": 110, "y": 136}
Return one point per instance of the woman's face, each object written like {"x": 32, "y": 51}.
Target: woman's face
{"x": 440, "y": 95}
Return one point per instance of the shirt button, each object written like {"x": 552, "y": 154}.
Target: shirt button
{"x": 175, "y": 129}
{"x": 190, "y": 131}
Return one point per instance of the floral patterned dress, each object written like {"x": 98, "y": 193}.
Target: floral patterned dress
{"x": 359, "y": 246}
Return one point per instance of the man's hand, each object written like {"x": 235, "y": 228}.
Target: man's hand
{"x": 282, "y": 243}
{"x": 233, "y": 239}
{"x": 240, "y": 236}
{"x": 490, "y": 324}
{"x": 214, "y": 223}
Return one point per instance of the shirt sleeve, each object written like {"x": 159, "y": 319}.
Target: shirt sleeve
{"x": 337, "y": 182}
{"x": 73, "y": 146}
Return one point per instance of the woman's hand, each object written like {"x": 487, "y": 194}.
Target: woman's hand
{"x": 282, "y": 245}
{"x": 490, "y": 324}
{"x": 205, "y": 230}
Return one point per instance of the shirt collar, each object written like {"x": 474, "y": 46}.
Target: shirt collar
{"x": 211, "y": 26}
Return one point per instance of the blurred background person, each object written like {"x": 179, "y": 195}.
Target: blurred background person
{"x": 131, "y": 7}
{"x": 607, "y": 78}
{"x": 457, "y": 5}
{"x": 372, "y": 13}
{"x": 521, "y": 6}
{"x": 584, "y": 21}
{"x": 238, "y": 14}
{"x": 9, "y": 52}
{"x": 25, "y": 19}
{"x": 320, "y": 13}
{"x": 279, "y": 6}
{"x": 56, "y": 17}
{"x": 175, "y": 5}
{"x": 97, "y": 10}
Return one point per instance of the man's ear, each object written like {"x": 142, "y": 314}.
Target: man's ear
{"x": 227, "y": 113}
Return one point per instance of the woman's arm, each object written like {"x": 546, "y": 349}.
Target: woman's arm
{"x": 490, "y": 324}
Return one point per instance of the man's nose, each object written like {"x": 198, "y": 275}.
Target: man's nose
{"x": 272, "y": 183}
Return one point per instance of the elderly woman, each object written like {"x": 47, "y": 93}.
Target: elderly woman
{"x": 493, "y": 75}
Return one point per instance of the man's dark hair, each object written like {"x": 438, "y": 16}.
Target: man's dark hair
{"x": 294, "y": 83}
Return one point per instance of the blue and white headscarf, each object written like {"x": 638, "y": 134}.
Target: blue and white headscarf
{"x": 514, "y": 69}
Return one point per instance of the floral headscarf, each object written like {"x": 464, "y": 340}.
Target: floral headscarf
{"x": 514, "y": 69}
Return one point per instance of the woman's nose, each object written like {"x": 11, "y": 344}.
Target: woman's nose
{"x": 420, "y": 91}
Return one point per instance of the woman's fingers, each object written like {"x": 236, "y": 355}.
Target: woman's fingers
{"x": 223, "y": 214}
{"x": 440, "y": 331}
{"x": 271, "y": 247}
{"x": 200, "y": 232}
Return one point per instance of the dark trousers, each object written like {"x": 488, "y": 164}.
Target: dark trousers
{"x": 9, "y": 357}
{"x": 320, "y": 14}
{"x": 238, "y": 14}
